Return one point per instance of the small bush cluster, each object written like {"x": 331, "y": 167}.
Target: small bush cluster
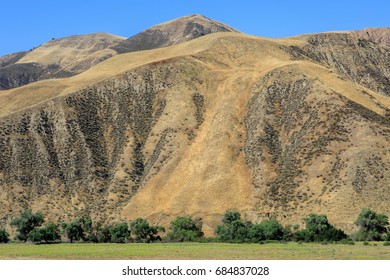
{"x": 4, "y": 236}
{"x": 318, "y": 229}
{"x": 234, "y": 229}
{"x": 185, "y": 228}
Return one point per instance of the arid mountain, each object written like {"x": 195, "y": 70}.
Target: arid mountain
{"x": 171, "y": 33}
{"x": 377, "y": 35}
{"x": 73, "y": 55}
{"x": 11, "y": 58}
{"x": 272, "y": 127}
{"x": 57, "y": 58}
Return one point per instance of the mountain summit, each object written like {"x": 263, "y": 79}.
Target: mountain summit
{"x": 172, "y": 32}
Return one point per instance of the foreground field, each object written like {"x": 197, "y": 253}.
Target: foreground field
{"x": 290, "y": 251}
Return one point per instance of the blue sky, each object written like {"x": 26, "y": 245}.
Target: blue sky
{"x": 26, "y": 24}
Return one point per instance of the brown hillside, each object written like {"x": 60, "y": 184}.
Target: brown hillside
{"x": 377, "y": 35}
{"x": 57, "y": 58}
{"x": 273, "y": 128}
{"x": 73, "y": 54}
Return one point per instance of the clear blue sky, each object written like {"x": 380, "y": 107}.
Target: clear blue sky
{"x": 26, "y": 24}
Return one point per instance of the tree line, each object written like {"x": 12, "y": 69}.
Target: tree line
{"x": 30, "y": 227}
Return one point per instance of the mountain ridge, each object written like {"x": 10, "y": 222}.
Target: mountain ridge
{"x": 75, "y": 54}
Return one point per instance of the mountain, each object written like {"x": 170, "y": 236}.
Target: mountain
{"x": 57, "y": 58}
{"x": 377, "y": 35}
{"x": 271, "y": 127}
{"x": 172, "y": 32}
{"x": 72, "y": 55}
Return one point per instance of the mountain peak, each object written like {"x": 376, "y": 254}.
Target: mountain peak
{"x": 172, "y": 32}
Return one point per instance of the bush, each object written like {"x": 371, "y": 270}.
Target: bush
{"x": 346, "y": 242}
{"x": 25, "y": 223}
{"x": 144, "y": 232}
{"x": 318, "y": 229}
{"x": 4, "y": 236}
{"x": 365, "y": 243}
{"x": 386, "y": 243}
{"x": 45, "y": 234}
{"x": 185, "y": 228}
{"x": 370, "y": 235}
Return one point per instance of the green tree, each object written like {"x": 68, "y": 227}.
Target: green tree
{"x": 372, "y": 226}
{"x": 318, "y": 229}
{"x": 78, "y": 229}
{"x": 4, "y": 236}
{"x": 144, "y": 232}
{"x": 45, "y": 234}
{"x": 230, "y": 216}
{"x": 256, "y": 233}
{"x": 119, "y": 232}
{"x": 267, "y": 230}
{"x": 26, "y": 222}
{"x": 104, "y": 234}
{"x": 185, "y": 228}
{"x": 233, "y": 228}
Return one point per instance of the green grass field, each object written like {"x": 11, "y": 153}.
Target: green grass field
{"x": 161, "y": 251}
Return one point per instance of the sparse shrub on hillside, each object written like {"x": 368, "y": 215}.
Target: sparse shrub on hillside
{"x": 372, "y": 226}
{"x": 318, "y": 229}
{"x": 185, "y": 228}
{"x": 144, "y": 232}
{"x": 45, "y": 234}
{"x": 25, "y": 223}
{"x": 4, "y": 236}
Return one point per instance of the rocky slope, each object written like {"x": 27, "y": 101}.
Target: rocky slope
{"x": 272, "y": 127}
{"x": 355, "y": 59}
{"x": 380, "y": 36}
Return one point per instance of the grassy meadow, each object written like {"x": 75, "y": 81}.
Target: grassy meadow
{"x": 198, "y": 251}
